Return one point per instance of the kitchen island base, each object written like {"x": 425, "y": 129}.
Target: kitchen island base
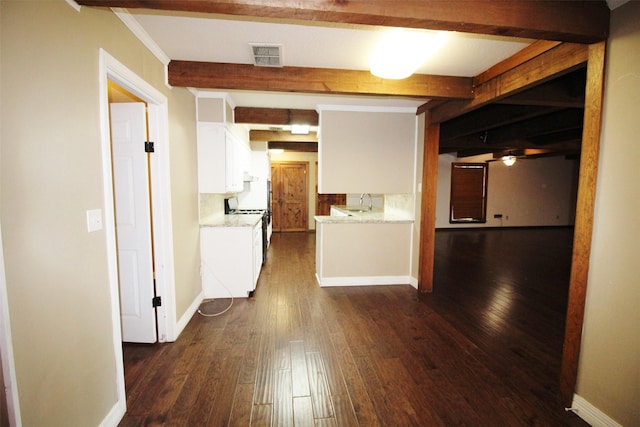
{"x": 363, "y": 253}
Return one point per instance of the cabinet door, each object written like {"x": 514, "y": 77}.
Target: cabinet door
{"x": 227, "y": 261}
{"x": 235, "y": 163}
{"x": 257, "y": 252}
{"x": 222, "y": 159}
{"x": 211, "y": 158}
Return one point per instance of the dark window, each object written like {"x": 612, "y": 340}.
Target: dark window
{"x": 468, "y": 192}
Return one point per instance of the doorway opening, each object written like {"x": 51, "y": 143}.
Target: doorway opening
{"x": 111, "y": 70}
{"x": 290, "y": 201}
{"x": 131, "y": 155}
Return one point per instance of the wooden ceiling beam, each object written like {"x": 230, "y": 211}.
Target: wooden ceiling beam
{"x": 564, "y": 92}
{"x": 571, "y": 21}
{"x": 313, "y": 80}
{"x": 491, "y": 117}
{"x": 560, "y": 60}
{"x": 281, "y": 136}
{"x": 534, "y": 131}
{"x": 535, "y": 49}
{"x": 275, "y": 116}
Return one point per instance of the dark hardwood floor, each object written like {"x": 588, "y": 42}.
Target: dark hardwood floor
{"x": 483, "y": 350}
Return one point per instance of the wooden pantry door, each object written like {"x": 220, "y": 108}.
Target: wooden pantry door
{"x": 289, "y": 184}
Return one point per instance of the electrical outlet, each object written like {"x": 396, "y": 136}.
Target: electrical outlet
{"x": 94, "y": 220}
{"x": 497, "y": 216}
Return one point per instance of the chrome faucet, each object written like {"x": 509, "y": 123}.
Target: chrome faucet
{"x": 370, "y": 200}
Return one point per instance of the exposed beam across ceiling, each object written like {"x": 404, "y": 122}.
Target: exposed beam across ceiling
{"x": 566, "y": 91}
{"x": 560, "y": 60}
{"x": 533, "y": 77}
{"x": 275, "y": 116}
{"x": 280, "y": 136}
{"x": 310, "y": 147}
{"x": 557, "y": 127}
{"x": 490, "y": 117}
{"x": 571, "y": 21}
{"x": 314, "y": 80}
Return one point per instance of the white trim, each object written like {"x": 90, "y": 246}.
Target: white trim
{"x": 366, "y": 108}
{"x": 111, "y": 69}
{"x": 105, "y": 62}
{"x": 134, "y": 26}
{"x": 6, "y": 350}
{"x": 74, "y": 5}
{"x": 363, "y": 281}
{"x": 594, "y": 416}
{"x": 413, "y": 281}
{"x": 162, "y": 221}
{"x": 186, "y": 317}
{"x": 114, "y": 416}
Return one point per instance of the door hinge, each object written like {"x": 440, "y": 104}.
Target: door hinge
{"x": 148, "y": 146}
{"x": 156, "y": 302}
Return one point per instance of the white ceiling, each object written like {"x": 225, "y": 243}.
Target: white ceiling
{"x": 214, "y": 38}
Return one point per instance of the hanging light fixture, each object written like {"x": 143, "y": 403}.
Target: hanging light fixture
{"x": 509, "y": 160}
{"x": 401, "y": 52}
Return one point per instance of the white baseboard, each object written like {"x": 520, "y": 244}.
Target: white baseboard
{"x": 115, "y": 415}
{"x": 591, "y": 414}
{"x": 182, "y": 323}
{"x": 364, "y": 281}
{"x": 413, "y": 281}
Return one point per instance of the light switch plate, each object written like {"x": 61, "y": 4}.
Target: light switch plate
{"x": 94, "y": 220}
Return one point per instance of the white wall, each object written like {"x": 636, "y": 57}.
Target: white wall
{"x": 538, "y": 192}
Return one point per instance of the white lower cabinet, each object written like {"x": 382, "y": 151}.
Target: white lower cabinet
{"x": 231, "y": 260}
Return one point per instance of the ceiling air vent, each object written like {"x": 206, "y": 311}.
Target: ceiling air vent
{"x": 266, "y": 55}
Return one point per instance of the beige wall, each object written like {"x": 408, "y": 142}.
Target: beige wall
{"x": 363, "y": 251}
{"x": 366, "y": 151}
{"x": 184, "y": 199}
{"x": 533, "y": 192}
{"x": 50, "y": 174}
{"x": 609, "y": 374}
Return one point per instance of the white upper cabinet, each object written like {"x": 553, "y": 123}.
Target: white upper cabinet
{"x": 366, "y": 150}
{"x": 224, "y": 156}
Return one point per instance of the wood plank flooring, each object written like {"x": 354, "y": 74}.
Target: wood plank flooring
{"x": 483, "y": 350}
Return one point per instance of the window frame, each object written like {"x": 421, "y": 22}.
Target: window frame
{"x": 461, "y": 193}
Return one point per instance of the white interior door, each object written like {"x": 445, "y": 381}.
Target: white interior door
{"x": 133, "y": 222}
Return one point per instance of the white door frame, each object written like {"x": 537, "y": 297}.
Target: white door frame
{"x": 6, "y": 350}
{"x": 112, "y": 69}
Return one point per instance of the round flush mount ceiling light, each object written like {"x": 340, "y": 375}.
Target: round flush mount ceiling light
{"x": 401, "y": 52}
{"x": 509, "y": 160}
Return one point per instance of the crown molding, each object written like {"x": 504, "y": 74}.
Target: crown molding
{"x": 142, "y": 35}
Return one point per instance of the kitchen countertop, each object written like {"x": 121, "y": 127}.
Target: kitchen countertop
{"x": 244, "y": 220}
{"x": 376, "y": 215}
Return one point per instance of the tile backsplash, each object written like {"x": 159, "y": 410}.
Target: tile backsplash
{"x": 211, "y": 207}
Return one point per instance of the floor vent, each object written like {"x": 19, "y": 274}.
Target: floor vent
{"x": 267, "y": 55}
